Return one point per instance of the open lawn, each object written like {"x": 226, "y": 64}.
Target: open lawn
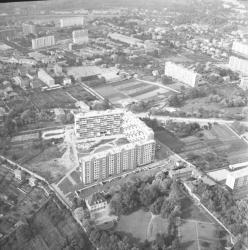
{"x": 157, "y": 225}
{"x": 196, "y": 235}
{"x": 135, "y": 223}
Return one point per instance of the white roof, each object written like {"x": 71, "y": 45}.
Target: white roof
{"x": 99, "y": 113}
{"x": 239, "y": 173}
{"x": 219, "y": 175}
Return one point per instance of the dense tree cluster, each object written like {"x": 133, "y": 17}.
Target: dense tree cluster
{"x": 182, "y": 129}
{"x": 222, "y": 203}
{"x": 208, "y": 161}
{"x": 236, "y": 100}
{"x": 160, "y": 195}
{"x": 178, "y": 99}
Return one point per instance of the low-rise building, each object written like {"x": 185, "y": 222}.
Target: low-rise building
{"x": 181, "y": 173}
{"x": 237, "y": 179}
{"x": 96, "y": 202}
{"x": 46, "y": 78}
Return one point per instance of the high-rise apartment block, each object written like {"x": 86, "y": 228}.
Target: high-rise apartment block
{"x": 28, "y": 28}
{"x": 46, "y": 78}
{"x": 80, "y": 36}
{"x": 97, "y": 124}
{"x": 138, "y": 148}
{"x": 42, "y": 42}
{"x": 71, "y": 21}
{"x": 115, "y": 161}
{"x": 181, "y": 74}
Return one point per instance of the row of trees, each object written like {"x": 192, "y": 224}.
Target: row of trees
{"x": 222, "y": 203}
{"x": 233, "y": 101}
{"x": 208, "y": 160}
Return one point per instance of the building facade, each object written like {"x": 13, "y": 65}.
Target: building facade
{"x": 42, "y": 42}
{"x": 237, "y": 179}
{"x": 98, "y": 124}
{"x": 28, "y": 28}
{"x": 112, "y": 162}
{"x": 46, "y": 78}
{"x": 138, "y": 149}
{"x": 71, "y": 21}
{"x": 181, "y": 74}
{"x": 80, "y": 36}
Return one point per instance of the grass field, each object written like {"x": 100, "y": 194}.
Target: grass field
{"x": 78, "y": 92}
{"x": 57, "y": 98}
{"x": 135, "y": 223}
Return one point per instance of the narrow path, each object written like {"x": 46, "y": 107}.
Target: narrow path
{"x": 159, "y": 85}
{"x": 197, "y": 235}
{"x": 149, "y": 225}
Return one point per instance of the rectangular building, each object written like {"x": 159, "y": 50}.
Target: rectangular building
{"x": 181, "y": 173}
{"x": 80, "y": 36}
{"x": 244, "y": 83}
{"x": 237, "y": 179}
{"x": 71, "y": 21}
{"x": 42, "y": 42}
{"x": 181, "y": 74}
{"x": 28, "y": 28}
{"x": 240, "y": 48}
{"x": 97, "y": 124}
{"x": 46, "y": 78}
{"x": 238, "y": 64}
{"x": 126, "y": 39}
{"x": 114, "y": 161}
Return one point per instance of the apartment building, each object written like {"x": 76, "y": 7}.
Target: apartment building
{"x": 134, "y": 129}
{"x": 80, "y": 36}
{"x": 181, "y": 74}
{"x": 71, "y": 21}
{"x": 103, "y": 165}
{"x": 46, "y": 78}
{"x": 42, "y": 42}
{"x": 98, "y": 124}
{"x": 28, "y": 28}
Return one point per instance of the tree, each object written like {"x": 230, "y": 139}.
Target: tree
{"x": 157, "y": 205}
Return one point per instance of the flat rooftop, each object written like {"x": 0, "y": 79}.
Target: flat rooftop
{"x": 219, "y": 175}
